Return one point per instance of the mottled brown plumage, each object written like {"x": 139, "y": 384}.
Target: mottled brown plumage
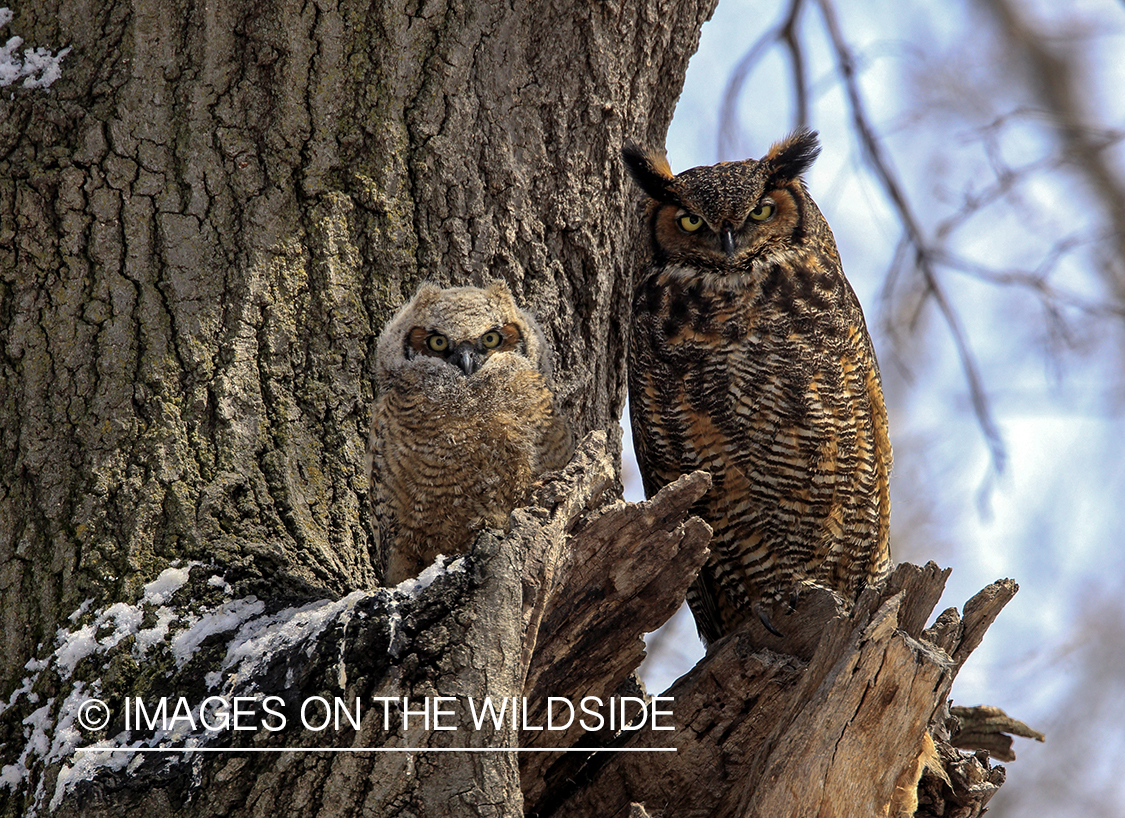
{"x": 750, "y": 359}
{"x": 464, "y": 423}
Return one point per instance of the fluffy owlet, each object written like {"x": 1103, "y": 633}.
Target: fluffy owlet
{"x": 750, "y": 359}
{"x": 465, "y": 421}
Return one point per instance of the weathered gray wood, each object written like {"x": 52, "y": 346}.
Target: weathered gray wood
{"x": 763, "y": 733}
{"x": 641, "y": 559}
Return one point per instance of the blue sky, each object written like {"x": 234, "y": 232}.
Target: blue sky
{"x": 938, "y": 85}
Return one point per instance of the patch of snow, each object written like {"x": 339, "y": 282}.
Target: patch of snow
{"x": 39, "y": 721}
{"x": 420, "y": 583}
{"x": 127, "y": 620}
{"x": 67, "y": 736}
{"x": 412, "y": 588}
{"x": 81, "y": 610}
{"x": 259, "y": 639}
{"x": 38, "y": 68}
{"x": 394, "y": 619}
{"x": 24, "y": 688}
{"x": 230, "y": 616}
{"x": 217, "y": 581}
{"x": 161, "y": 589}
{"x": 52, "y": 731}
{"x": 11, "y": 776}
{"x": 86, "y": 765}
{"x": 75, "y": 646}
{"x": 252, "y": 639}
{"x": 148, "y": 638}
{"x": 124, "y": 619}
{"x": 37, "y": 745}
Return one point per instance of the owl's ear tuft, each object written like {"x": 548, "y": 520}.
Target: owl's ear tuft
{"x": 498, "y": 289}
{"x": 427, "y": 294}
{"x": 650, "y": 170}
{"x": 793, "y": 155}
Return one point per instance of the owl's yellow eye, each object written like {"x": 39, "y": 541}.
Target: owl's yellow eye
{"x": 491, "y": 339}
{"x": 762, "y": 212}
{"x": 438, "y": 342}
{"x": 689, "y": 222}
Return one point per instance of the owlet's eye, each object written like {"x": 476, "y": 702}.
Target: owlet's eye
{"x": 762, "y": 212}
{"x": 437, "y": 342}
{"x": 491, "y": 339}
{"x": 689, "y": 222}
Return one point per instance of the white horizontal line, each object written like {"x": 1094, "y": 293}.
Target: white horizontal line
{"x": 375, "y": 749}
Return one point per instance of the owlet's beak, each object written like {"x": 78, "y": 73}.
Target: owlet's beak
{"x": 466, "y": 357}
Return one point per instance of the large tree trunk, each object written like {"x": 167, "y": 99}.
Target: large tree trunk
{"x": 203, "y": 225}
{"x": 207, "y": 220}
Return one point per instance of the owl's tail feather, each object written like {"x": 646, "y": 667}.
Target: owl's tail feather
{"x": 765, "y": 619}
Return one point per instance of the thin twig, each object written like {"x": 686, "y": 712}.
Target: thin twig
{"x": 1037, "y": 281}
{"x": 787, "y": 30}
{"x": 923, "y": 254}
{"x": 791, "y": 34}
{"x": 1060, "y": 86}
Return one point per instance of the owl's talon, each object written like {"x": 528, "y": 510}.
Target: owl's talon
{"x": 764, "y": 618}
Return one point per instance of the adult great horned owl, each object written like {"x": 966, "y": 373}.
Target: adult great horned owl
{"x": 750, "y": 359}
{"x": 465, "y": 421}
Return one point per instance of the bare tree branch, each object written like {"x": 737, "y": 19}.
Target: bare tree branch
{"x": 788, "y": 32}
{"x": 923, "y": 253}
{"x": 1059, "y": 84}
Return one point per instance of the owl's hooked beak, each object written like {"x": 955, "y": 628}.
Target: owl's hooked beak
{"x": 466, "y": 357}
{"x": 726, "y": 236}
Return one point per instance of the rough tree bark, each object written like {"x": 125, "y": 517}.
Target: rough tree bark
{"x": 203, "y": 226}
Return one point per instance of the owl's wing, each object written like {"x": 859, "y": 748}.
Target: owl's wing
{"x": 640, "y": 414}
{"x": 381, "y": 516}
{"x": 557, "y": 444}
{"x": 703, "y": 600}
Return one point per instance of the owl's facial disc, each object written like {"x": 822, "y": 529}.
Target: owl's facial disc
{"x": 466, "y": 356}
{"x": 727, "y": 233}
